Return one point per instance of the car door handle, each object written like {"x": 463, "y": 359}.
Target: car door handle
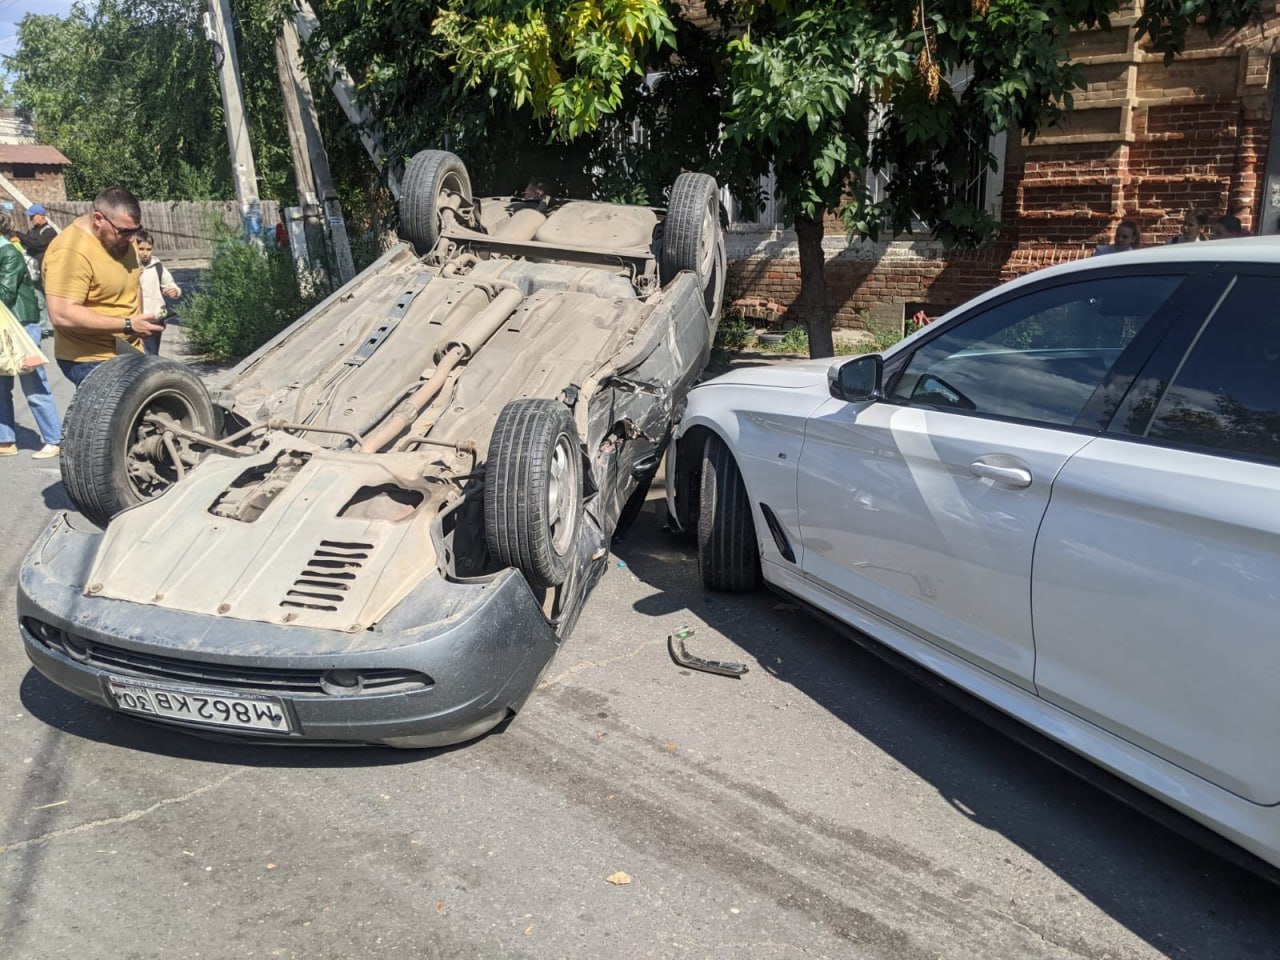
{"x": 1010, "y": 476}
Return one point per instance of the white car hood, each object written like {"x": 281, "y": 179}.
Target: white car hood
{"x": 789, "y": 375}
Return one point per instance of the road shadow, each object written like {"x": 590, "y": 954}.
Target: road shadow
{"x": 65, "y": 712}
{"x": 55, "y": 496}
{"x": 1177, "y": 896}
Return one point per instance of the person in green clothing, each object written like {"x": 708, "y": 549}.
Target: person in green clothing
{"x": 18, "y": 293}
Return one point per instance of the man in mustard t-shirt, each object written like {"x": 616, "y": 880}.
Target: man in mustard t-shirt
{"x": 91, "y": 283}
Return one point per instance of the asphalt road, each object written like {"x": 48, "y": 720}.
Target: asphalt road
{"x": 823, "y": 805}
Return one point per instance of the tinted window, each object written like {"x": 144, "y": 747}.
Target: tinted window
{"x": 1226, "y": 395}
{"x": 1038, "y": 357}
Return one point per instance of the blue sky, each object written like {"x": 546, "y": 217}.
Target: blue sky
{"x": 12, "y": 11}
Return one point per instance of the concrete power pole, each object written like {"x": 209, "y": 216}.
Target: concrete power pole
{"x": 242, "y": 168}
{"x": 310, "y": 122}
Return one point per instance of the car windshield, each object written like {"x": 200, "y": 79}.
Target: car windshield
{"x": 1035, "y": 357}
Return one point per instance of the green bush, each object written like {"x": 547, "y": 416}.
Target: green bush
{"x": 368, "y": 246}
{"x": 245, "y": 297}
{"x": 734, "y": 333}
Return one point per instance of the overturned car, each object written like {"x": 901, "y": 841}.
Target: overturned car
{"x": 380, "y": 526}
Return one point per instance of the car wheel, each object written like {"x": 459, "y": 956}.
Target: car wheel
{"x": 121, "y": 443}
{"x": 728, "y": 556}
{"x": 435, "y": 185}
{"x": 688, "y": 483}
{"x": 692, "y": 238}
{"x": 533, "y": 490}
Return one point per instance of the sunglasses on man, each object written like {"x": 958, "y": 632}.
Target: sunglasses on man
{"x": 126, "y": 233}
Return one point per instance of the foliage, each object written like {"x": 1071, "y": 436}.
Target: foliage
{"x": 368, "y": 245}
{"x": 568, "y": 62}
{"x": 824, "y": 92}
{"x": 794, "y": 341}
{"x": 245, "y": 298}
{"x": 402, "y": 57}
{"x": 129, "y": 92}
{"x": 883, "y": 335}
{"x": 734, "y": 333}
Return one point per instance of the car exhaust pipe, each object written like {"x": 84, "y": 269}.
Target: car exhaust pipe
{"x": 486, "y": 323}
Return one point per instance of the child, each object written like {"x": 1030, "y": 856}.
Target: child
{"x": 157, "y": 286}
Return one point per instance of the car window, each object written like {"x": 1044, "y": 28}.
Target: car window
{"x": 1226, "y": 394}
{"x": 1037, "y": 357}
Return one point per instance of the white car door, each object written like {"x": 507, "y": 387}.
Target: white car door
{"x": 924, "y": 508}
{"x": 1156, "y": 591}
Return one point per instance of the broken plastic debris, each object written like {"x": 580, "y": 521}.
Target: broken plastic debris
{"x": 619, "y": 878}
{"x": 622, "y": 563}
{"x": 675, "y": 646}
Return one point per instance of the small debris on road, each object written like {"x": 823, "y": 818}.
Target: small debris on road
{"x": 725, "y": 668}
{"x": 619, "y": 878}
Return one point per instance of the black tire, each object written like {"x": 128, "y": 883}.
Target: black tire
{"x": 111, "y": 457}
{"x": 533, "y": 490}
{"x": 434, "y": 181}
{"x": 688, "y": 483}
{"x": 692, "y": 238}
{"x": 728, "y": 556}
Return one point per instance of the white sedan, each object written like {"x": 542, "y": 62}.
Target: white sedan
{"x": 1063, "y": 497}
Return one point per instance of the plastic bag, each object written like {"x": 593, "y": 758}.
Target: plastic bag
{"x": 18, "y": 352}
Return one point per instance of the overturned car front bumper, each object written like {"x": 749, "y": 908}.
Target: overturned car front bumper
{"x": 451, "y": 661}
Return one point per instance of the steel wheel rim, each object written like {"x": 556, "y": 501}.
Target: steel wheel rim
{"x": 707, "y": 243}
{"x": 562, "y": 494}
{"x": 149, "y": 468}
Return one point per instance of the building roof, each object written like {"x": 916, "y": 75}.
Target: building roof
{"x": 36, "y": 154}
{"x": 15, "y": 127}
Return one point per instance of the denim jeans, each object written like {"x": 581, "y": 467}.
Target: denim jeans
{"x": 43, "y": 305}
{"x": 35, "y": 386}
{"x": 76, "y": 371}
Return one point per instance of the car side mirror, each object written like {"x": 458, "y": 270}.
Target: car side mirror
{"x": 861, "y": 378}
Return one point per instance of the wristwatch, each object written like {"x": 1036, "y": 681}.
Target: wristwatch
{"x": 128, "y": 326}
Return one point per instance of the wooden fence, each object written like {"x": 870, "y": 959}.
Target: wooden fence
{"x": 182, "y": 229}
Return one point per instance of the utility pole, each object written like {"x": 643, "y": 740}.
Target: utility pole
{"x": 312, "y": 220}
{"x": 344, "y": 90}
{"x": 242, "y": 169}
{"x": 315, "y": 148}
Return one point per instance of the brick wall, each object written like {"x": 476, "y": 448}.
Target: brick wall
{"x": 1145, "y": 142}
{"x": 45, "y": 187}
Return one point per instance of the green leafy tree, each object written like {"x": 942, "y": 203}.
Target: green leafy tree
{"x": 821, "y": 91}
{"x": 403, "y": 75}
{"x": 129, "y": 92}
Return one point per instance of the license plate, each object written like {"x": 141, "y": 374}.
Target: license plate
{"x": 199, "y": 706}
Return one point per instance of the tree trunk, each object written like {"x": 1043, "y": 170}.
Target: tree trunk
{"x": 811, "y": 306}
